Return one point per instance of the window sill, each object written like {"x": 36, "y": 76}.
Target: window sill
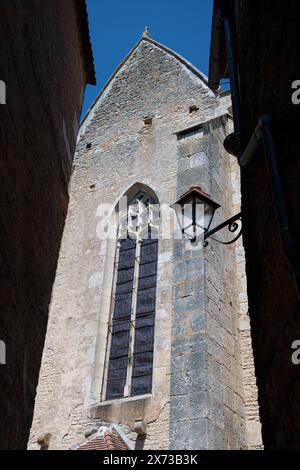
{"x": 124, "y": 400}
{"x": 109, "y": 409}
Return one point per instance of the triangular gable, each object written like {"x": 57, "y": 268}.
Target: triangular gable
{"x": 170, "y": 52}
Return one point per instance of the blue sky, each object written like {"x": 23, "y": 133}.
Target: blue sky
{"x": 116, "y": 26}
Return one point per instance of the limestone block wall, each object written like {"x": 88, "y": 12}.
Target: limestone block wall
{"x": 253, "y": 425}
{"x": 207, "y": 394}
{"x": 226, "y": 416}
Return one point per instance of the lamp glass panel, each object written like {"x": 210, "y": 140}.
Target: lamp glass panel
{"x": 187, "y": 219}
{"x": 208, "y": 213}
{"x": 204, "y": 213}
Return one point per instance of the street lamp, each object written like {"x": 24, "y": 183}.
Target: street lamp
{"x": 195, "y": 211}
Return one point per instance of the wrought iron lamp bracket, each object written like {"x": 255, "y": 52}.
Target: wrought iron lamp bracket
{"x": 234, "y": 224}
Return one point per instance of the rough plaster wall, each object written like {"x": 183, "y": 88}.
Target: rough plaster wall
{"x": 41, "y": 64}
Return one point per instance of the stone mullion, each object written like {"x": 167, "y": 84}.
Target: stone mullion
{"x": 127, "y": 388}
{"x": 109, "y": 325}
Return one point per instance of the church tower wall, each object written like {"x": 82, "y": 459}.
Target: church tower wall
{"x": 157, "y": 128}
{"x": 207, "y": 402}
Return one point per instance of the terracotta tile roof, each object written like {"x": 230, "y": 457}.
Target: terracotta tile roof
{"x": 199, "y": 192}
{"x": 104, "y": 439}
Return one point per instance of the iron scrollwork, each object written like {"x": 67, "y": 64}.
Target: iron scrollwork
{"x": 234, "y": 224}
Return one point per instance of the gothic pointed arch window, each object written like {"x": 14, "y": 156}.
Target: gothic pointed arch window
{"x": 129, "y": 355}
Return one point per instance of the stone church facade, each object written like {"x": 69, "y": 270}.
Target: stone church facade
{"x": 178, "y": 373}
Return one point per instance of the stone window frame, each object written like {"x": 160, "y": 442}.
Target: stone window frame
{"x": 141, "y": 205}
{"x": 96, "y": 357}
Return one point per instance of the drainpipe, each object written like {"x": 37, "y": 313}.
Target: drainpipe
{"x": 264, "y": 133}
{"x": 233, "y": 142}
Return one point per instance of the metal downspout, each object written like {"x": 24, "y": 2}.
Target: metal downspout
{"x": 233, "y": 142}
{"x": 264, "y": 132}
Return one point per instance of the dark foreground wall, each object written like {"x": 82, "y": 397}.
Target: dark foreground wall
{"x": 44, "y": 61}
{"x": 268, "y": 48}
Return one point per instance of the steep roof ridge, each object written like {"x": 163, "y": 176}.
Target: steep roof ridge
{"x": 108, "y": 439}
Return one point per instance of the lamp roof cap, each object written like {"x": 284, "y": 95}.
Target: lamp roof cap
{"x": 197, "y": 191}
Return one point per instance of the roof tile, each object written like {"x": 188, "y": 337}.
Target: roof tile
{"x": 104, "y": 439}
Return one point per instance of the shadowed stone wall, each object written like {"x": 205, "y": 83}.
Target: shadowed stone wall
{"x": 42, "y": 65}
{"x": 267, "y": 42}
